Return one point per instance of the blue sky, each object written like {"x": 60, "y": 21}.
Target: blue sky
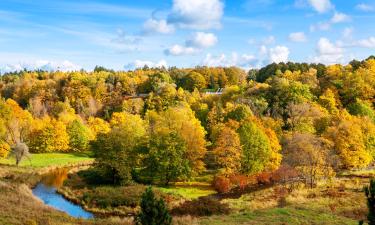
{"x": 124, "y": 34}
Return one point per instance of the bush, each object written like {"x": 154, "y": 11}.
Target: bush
{"x": 284, "y": 174}
{"x": 240, "y": 181}
{"x": 221, "y": 184}
{"x": 264, "y": 178}
{"x": 203, "y": 206}
{"x": 104, "y": 197}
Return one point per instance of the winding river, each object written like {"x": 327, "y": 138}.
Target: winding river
{"x": 46, "y": 191}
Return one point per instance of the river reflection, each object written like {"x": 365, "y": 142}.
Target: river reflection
{"x": 46, "y": 191}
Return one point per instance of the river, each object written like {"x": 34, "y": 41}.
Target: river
{"x": 46, "y": 191}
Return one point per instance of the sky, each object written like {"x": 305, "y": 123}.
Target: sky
{"x": 126, "y": 34}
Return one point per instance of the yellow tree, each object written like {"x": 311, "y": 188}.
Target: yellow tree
{"x": 48, "y": 135}
{"x": 181, "y": 120}
{"x": 348, "y": 138}
{"x": 228, "y": 151}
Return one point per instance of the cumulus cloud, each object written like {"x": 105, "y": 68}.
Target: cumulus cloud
{"x": 141, "y": 63}
{"x": 328, "y": 52}
{"x": 340, "y": 18}
{"x": 177, "y": 50}
{"x": 297, "y": 37}
{"x": 244, "y": 60}
{"x": 279, "y": 54}
{"x": 202, "y": 40}
{"x": 366, "y": 43}
{"x": 196, "y": 43}
{"x": 40, "y": 65}
{"x": 365, "y": 7}
{"x": 152, "y": 26}
{"x": 196, "y": 14}
{"x": 321, "y": 6}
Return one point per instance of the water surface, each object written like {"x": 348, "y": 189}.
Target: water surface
{"x": 46, "y": 191}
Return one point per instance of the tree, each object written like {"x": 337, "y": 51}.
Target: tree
{"x": 48, "y": 135}
{"x": 227, "y": 151}
{"x": 348, "y": 138}
{"x": 256, "y": 147}
{"x": 117, "y": 152}
{"x": 310, "y": 155}
{"x": 97, "y": 126}
{"x": 181, "y": 120}
{"x": 370, "y": 195}
{"x": 153, "y": 211}
{"x": 79, "y": 136}
{"x": 20, "y": 151}
{"x": 4, "y": 149}
{"x": 194, "y": 80}
{"x": 166, "y": 157}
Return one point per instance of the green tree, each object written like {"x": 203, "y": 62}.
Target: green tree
{"x": 166, "y": 158}
{"x": 79, "y": 136}
{"x": 153, "y": 210}
{"x": 256, "y": 148}
{"x": 117, "y": 152}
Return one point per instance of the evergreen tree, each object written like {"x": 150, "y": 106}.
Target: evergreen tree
{"x": 153, "y": 211}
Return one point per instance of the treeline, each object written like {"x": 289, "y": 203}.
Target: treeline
{"x": 159, "y": 125}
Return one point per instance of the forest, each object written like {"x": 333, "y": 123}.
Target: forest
{"x": 285, "y": 123}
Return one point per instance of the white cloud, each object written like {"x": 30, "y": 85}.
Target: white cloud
{"x": 152, "y": 26}
{"x": 328, "y": 52}
{"x": 297, "y": 37}
{"x": 196, "y": 43}
{"x": 141, "y": 63}
{"x": 202, "y": 40}
{"x": 366, "y": 43}
{"x": 244, "y": 60}
{"x": 321, "y": 6}
{"x": 279, "y": 54}
{"x": 40, "y": 65}
{"x": 340, "y": 18}
{"x": 196, "y": 14}
{"x": 178, "y": 50}
{"x": 365, "y": 7}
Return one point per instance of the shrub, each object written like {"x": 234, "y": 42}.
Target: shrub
{"x": 284, "y": 174}
{"x": 264, "y": 178}
{"x": 221, "y": 184}
{"x": 240, "y": 181}
{"x": 203, "y": 206}
{"x": 153, "y": 211}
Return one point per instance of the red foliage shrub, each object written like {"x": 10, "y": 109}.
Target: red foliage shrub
{"x": 264, "y": 178}
{"x": 239, "y": 180}
{"x": 221, "y": 184}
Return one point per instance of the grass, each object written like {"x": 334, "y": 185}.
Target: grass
{"x": 279, "y": 216}
{"x": 188, "y": 192}
{"x": 50, "y": 159}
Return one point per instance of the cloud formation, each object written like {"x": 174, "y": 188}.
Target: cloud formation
{"x": 328, "y": 52}
{"x": 196, "y": 43}
{"x": 152, "y": 26}
{"x": 279, "y": 54}
{"x": 44, "y": 65}
{"x": 321, "y": 6}
{"x": 297, "y": 37}
{"x": 196, "y": 14}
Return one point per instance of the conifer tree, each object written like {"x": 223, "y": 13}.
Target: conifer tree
{"x": 153, "y": 210}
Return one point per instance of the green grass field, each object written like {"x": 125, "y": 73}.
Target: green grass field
{"x": 187, "y": 192}
{"x": 50, "y": 159}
